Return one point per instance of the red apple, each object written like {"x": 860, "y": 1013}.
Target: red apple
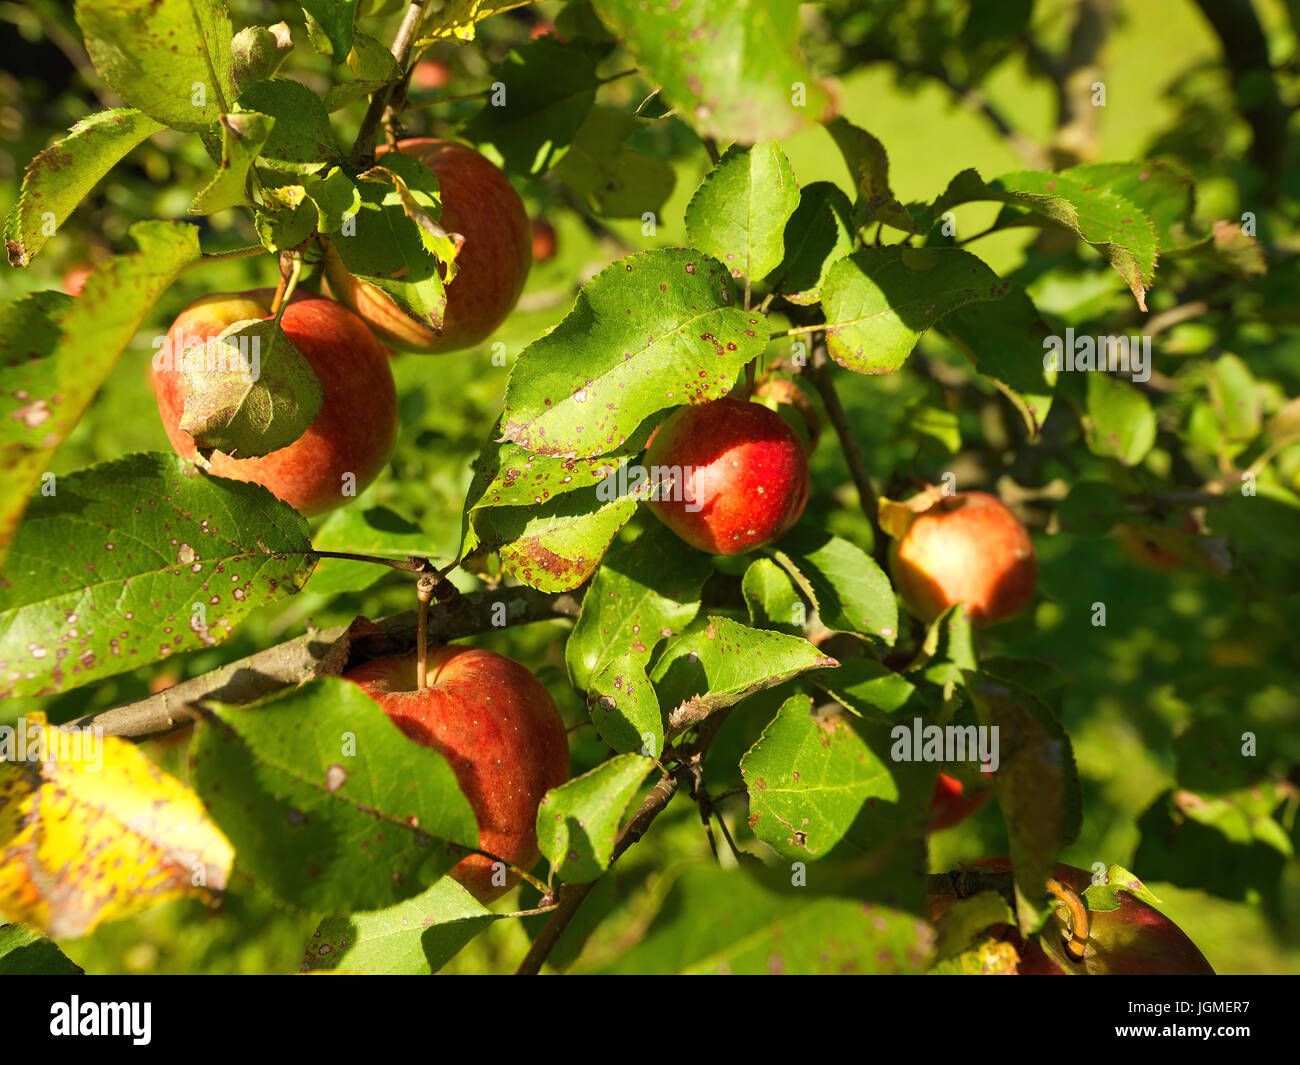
{"x": 1134, "y": 940}
{"x": 497, "y": 726}
{"x": 543, "y": 240}
{"x": 75, "y": 279}
{"x": 950, "y": 805}
{"x": 430, "y": 74}
{"x": 965, "y": 548}
{"x": 732, "y": 475}
{"x": 482, "y": 206}
{"x": 356, "y": 427}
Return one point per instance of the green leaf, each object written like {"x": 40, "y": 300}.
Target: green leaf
{"x": 288, "y": 220}
{"x": 326, "y": 801}
{"x": 553, "y": 547}
{"x": 869, "y": 168}
{"x": 849, "y": 590}
{"x": 715, "y": 920}
{"x": 1163, "y": 192}
{"x": 56, "y": 351}
{"x": 242, "y": 136}
{"x": 1004, "y": 341}
{"x": 257, "y": 52}
{"x": 376, "y": 531}
{"x": 966, "y": 918}
{"x": 258, "y": 396}
{"x": 649, "y": 331}
{"x": 1121, "y": 422}
{"x": 612, "y": 179}
{"x": 301, "y": 141}
{"x": 772, "y": 599}
{"x": 549, "y": 88}
{"x": 387, "y": 246}
{"x": 879, "y": 301}
{"x": 416, "y": 937}
{"x": 59, "y": 178}
{"x": 732, "y": 67}
{"x": 337, "y": 19}
{"x": 169, "y": 58}
{"x": 578, "y": 822}
{"x": 819, "y": 233}
{"x": 372, "y": 66}
{"x": 135, "y": 560}
{"x": 818, "y": 779}
{"x": 336, "y": 197}
{"x": 739, "y": 213}
{"x": 1236, "y": 398}
{"x": 635, "y": 601}
{"x": 624, "y": 707}
{"x": 25, "y": 952}
{"x": 1121, "y": 232}
{"x": 1104, "y": 896}
{"x": 864, "y": 685}
{"x": 718, "y": 663}
{"x": 1036, "y": 785}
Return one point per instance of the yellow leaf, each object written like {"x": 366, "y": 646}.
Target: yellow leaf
{"x": 457, "y": 18}
{"x": 91, "y": 831}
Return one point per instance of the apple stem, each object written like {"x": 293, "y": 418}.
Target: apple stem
{"x": 424, "y": 593}
{"x": 290, "y": 270}
{"x": 1078, "y": 941}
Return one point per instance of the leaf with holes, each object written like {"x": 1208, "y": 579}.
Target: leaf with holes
{"x": 624, "y": 708}
{"x": 135, "y": 560}
{"x": 649, "y": 331}
{"x": 327, "y": 802}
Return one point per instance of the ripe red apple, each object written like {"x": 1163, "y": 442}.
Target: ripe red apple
{"x": 1134, "y": 940}
{"x": 732, "y": 475}
{"x": 950, "y": 805}
{"x": 543, "y": 240}
{"x": 965, "y": 548}
{"x": 496, "y": 725}
{"x": 356, "y": 427}
{"x": 482, "y": 206}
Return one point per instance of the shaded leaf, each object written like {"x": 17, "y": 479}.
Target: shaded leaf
{"x": 578, "y": 822}
{"x": 242, "y": 136}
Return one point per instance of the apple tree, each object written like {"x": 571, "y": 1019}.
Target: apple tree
{"x": 816, "y": 487}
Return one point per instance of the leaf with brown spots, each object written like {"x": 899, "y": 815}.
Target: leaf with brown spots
{"x": 577, "y": 823}
{"x": 135, "y": 560}
{"x": 824, "y": 779}
{"x": 327, "y": 802}
{"x": 732, "y": 68}
{"x": 156, "y": 53}
{"x": 718, "y": 662}
{"x": 55, "y": 352}
{"x": 93, "y": 831}
{"x": 60, "y": 177}
{"x": 650, "y": 331}
{"x": 624, "y": 708}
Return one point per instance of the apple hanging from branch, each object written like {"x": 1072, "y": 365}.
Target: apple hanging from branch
{"x": 349, "y": 441}
{"x": 962, "y": 548}
{"x": 498, "y": 728}
{"x": 737, "y": 475}
{"x": 479, "y": 203}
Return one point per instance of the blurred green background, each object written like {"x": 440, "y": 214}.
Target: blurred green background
{"x": 1177, "y": 647}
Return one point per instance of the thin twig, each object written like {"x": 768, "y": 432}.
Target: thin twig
{"x": 364, "y": 147}
{"x": 572, "y": 895}
{"x": 823, "y": 381}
